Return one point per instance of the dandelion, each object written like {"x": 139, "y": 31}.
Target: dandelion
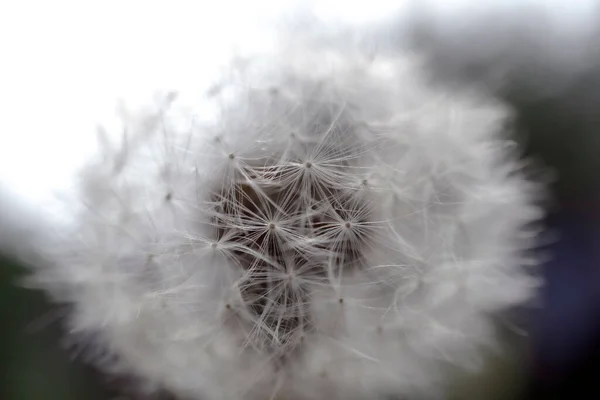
{"x": 340, "y": 230}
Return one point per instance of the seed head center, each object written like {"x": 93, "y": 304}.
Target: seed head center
{"x": 304, "y": 250}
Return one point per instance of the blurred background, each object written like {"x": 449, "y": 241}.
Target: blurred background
{"x": 66, "y": 60}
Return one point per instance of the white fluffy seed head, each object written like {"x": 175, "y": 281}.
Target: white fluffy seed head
{"x": 341, "y": 230}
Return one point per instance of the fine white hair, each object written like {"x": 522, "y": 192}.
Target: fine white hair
{"x": 324, "y": 223}
{"x": 340, "y": 230}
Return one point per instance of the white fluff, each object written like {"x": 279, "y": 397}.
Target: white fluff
{"x": 425, "y": 208}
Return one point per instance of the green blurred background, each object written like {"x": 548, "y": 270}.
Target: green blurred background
{"x": 34, "y": 364}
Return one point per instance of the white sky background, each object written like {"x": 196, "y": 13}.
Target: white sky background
{"x": 62, "y": 63}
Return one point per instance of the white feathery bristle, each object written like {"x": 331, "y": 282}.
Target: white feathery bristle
{"x": 340, "y": 230}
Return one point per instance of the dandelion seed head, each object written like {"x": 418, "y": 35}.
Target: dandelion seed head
{"x": 346, "y": 234}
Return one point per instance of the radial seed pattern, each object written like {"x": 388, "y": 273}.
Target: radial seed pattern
{"x": 341, "y": 229}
